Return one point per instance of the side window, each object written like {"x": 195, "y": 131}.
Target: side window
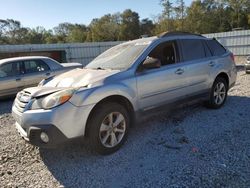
{"x": 207, "y": 50}
{"x": 43, "y": 66}
{"x": 7, "y": 70}
{"x": 20, "y": 67}
{"x": 32, "y": 66}
{"x": 215, "y": 47}
{"x": 165, "y": 52}
{"x": 192, "y": 49}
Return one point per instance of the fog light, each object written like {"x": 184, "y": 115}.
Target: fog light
{"x": 44, "y": 137}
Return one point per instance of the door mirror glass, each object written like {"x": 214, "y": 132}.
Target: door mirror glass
{"x": 151, "y": 63}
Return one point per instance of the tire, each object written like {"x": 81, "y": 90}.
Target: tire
{"x": 113, "y": 135}
{"x": 218, "y": 93}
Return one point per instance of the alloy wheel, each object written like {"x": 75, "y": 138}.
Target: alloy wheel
{"x": 219, "y": 93}
{"x": 112, "y": 129}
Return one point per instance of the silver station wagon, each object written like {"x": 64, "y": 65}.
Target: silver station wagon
{"x": 101, "y": 101}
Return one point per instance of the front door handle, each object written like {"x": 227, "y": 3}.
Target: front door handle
{"x": 18, "y": 79}
{"x": 179, "y": 71}
{"x": 47, "y": 74}
{"x": 212, "y": 63}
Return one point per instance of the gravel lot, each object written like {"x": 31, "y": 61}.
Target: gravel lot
{"x": 192, "y": 147}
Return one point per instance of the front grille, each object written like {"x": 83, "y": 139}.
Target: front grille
{"x": 22, "y": 100}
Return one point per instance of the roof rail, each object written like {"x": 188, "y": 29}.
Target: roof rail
{"x": 174, "y": 33}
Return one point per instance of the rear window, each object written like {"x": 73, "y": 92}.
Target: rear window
{"x": 216, "y": 48}
{"x": 192, "y": 49}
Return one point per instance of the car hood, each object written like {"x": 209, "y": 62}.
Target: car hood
{"x": 72, "y": 79}
{"x": 80, "y": 78}
{"x": 41, "y": 91}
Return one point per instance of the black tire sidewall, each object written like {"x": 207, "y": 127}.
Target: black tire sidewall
{"x": 212, "y": 103}
{"x": 95, "y": 122}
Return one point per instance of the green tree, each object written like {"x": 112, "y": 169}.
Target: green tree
{"x": 62, "y": 31}
{"x": 104, "y": 29}
{"x": 196, "y": 14}
{"x": 147, "y": 27}
{"x": 130, "y": 25}
{"x": 77, "y": 33}
{"x": 167, "y": 15}
{"x": 3, "y": 25}
{"x": 239, "y": 12}
{"x": 180, "y": 14}
{"x": 12, "y": 31}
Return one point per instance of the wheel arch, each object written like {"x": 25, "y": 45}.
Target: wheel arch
{"x": 113, "y": 99}
{"x": 225, "y": 76}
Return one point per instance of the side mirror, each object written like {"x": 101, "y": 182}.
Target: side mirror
{"x": 151, "y": 63}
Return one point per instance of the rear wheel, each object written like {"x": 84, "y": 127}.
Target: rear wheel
{"x": 218, "y": 93}
{"x": 108, "y": 128}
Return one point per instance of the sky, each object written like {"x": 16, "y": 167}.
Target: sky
{"x": 49, "y": 13}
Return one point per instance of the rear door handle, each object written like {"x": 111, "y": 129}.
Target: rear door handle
{"x": 18, "y": 79}
{"x": 212, "y": 63}
{"x": 179, "y": 71}
{"x": 47, "y": 74}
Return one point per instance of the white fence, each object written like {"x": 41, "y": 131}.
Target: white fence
{"x": 73, "y": 52}
{"x": 236, "y": 41}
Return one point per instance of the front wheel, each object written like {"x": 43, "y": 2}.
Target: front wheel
{"x": 108, "y": 128}
{"x": 218, "y": 93}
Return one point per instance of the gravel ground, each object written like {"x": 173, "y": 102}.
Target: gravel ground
{"x": 192, "y": 147}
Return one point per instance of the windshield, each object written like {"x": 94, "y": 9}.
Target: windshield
{"x": 119, "y": 57}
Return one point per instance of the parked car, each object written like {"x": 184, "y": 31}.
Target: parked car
{"x": 101, "y": 101}
{"x": 247, "y": 65}
{"x": 21, "y": 72}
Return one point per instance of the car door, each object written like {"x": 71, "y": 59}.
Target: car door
{"x": 34, "y": 72}
{"x": 162, "y": 85}
{"x": 9, "y": 82}
{"x": 198, "y": 64}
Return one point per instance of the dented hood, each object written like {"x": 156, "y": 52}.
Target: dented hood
{"x": 41, "y": 91}
{"x": 71, "y": 79}
{"x": 80, "y": 78}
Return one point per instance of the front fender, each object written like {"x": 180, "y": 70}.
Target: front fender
{"x": 94, "y": 95}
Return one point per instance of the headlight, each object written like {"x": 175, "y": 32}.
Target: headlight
{"x": 52, "y": 100}
{"x": 57, "y": 98}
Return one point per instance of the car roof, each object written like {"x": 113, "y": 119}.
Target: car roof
{"x": 178, "y": 33}
{"x": 21, "y": 58}
{"x": 146, "y": 40}
{"x": 167, "y": 35}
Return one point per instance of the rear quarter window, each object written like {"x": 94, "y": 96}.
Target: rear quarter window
{"x": 32, "y": 66}
{"x": 216, "y": 48}
{"x": 192, "y": 49}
